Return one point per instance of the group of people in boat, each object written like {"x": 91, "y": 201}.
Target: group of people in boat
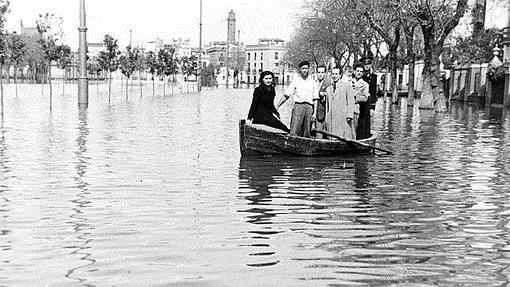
{"x": 337, "y": 101}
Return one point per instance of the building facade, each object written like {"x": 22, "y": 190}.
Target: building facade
{"x": 267, "y": 55}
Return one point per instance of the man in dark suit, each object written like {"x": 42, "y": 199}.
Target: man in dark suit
{"x": 366, "y": 108}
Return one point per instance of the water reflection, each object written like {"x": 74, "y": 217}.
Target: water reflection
{"x": 153, "y": 191}
{"x": 81, "y": 202}
{"x": 4, "y": 188}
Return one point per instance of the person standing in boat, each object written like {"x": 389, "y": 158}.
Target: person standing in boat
{"x": 361, "y": 93}
{"x": 303, "y": 90}
{"x": 366, "y": 109}
{"x": 340, "y": 98}
{"x": 262, "y": 109}
{"x": 347, "y": 75}
{"x": 322, "y": 84}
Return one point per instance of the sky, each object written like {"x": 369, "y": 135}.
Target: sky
{"x": 166, "y": 19}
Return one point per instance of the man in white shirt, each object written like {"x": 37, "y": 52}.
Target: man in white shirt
{"x": 303, "y": 90}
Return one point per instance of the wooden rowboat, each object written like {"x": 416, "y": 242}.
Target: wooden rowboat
{"x": 255, "y": 139}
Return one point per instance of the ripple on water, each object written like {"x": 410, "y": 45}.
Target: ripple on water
{"x": 152, "y": 191}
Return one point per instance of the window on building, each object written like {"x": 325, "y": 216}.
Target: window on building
{"x": 248, "y": 56}
{"x": 276, "y": 55}
{"x": 255, "y": 65}
{"x": 261, "y": 56}
{"x": 262, "y": 66}
{"x": 254, "y": 56}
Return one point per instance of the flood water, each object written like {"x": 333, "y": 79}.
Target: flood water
{"x": 152, "y": 191}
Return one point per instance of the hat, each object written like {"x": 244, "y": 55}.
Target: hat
{"x": 304, "y": 63}
{"x": 366, "y": 60}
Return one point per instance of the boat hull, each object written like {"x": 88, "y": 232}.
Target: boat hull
{"x": 255, "y": 139}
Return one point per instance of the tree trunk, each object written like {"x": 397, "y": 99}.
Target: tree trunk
{"x": 393, "y": 71}
{"x": 64, "y": 84}
{"x": 173, "y": 80}
{"x": 411, "y": 95}
{"x": 153, "y": 86}
{"x": 1, "y": 90}
{"x": 432, "y": 96}
{"x": 22, "y": 74}
{"x": 16, "y": 81}
{"x": 164, "y": 86}
{"x": 110, "y": 85}
{"x": 8, "y": 74}
{"x": 140, "y": 84}
{"x": 127, "y": 88}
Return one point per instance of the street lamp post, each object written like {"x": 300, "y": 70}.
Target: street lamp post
{"x": 199, "y": 80}
{"x": 83, "y": 85}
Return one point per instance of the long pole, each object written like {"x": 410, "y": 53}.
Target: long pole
{"x": 226, "y": 82}
{"x": 83, "y": 84}
{"x": 199, "y": 80}
{"x": 237, "y": 58}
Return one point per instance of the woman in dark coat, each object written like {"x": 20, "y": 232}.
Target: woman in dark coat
{"x": 262, "y": 110}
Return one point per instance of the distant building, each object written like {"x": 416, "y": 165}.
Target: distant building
{"x": 29, "y": 31}
{"x": 155, "y": 45}
{"x": 267, "y": 55}
{"x": 182, "y": 47}
{"x": 231, "y": 28}
{"x": 94, "y": 49}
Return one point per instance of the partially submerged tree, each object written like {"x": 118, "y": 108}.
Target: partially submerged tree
{"x": 383, "y": 18}
{"x": 49, "y": 27}
{"x": 17, "y": 50}
{"x": 151, "y": 65}
{"x": 166, "y": 65}
{"x": 94, "y": 69}
{"x": 4, "y": 8}
{"x": 127, "y": 63}
{"x": 140, "y": 65}
{"x": 437, "y": 19}
{"x": 64, "y": 59}
{"x": 109, "y": 59}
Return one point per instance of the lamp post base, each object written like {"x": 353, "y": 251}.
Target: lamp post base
{"x": 83, "y": 92}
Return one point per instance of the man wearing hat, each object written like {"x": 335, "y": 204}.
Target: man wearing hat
{"x": 363, "y": 130}
{"x": 303, "y": 90}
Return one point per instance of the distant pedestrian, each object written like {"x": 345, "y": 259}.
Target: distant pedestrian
{"x": 340, "y": 97}
{"x": 262, "y": 109}
{"x": 303, "y": 90}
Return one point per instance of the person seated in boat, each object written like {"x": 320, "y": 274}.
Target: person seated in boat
{"x": 303, "y": 90}
{"x": 340, "y": 98}
{"x": 262, "y": 109}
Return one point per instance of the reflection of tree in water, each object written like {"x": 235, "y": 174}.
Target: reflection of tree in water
{"x": 4, "y": 175}
{"x": 80, "y": 222}
{"x": 259, "y": 174}
{"x": 301, "y": 177}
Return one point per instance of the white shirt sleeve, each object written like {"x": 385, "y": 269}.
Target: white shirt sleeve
{"x": 315, "y": 92}
{"x": 289, "y": 91}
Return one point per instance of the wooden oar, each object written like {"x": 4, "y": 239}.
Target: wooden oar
{"x": 351, "y": 141}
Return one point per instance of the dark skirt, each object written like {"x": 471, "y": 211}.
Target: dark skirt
{"x": 272, "y": 122}
{"x": 363, "y": 130}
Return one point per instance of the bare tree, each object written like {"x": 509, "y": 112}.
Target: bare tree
{"x": 383, "y": 18}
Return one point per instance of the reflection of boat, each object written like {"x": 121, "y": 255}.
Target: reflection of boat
{"x": 261, "y": 139}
